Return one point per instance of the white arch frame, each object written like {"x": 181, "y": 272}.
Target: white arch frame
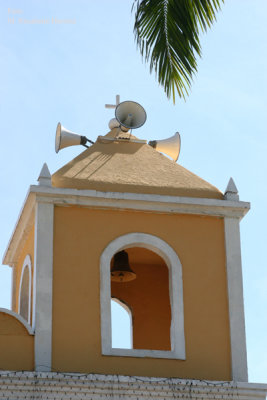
{"x": 171, "y": 259}
{"x": 27, "y": 263}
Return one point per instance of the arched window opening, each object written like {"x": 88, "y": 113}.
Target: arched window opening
{"x": 146, "y": 293}
{"x": 25, "y": 290}
{"x": 151, "y": 284}
{"x": 121, "y": 325}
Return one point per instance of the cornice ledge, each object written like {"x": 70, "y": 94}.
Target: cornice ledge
{"x": 116, "y": 200}
{"x": 149, "y": 202}
{"x": 23, "y": 221}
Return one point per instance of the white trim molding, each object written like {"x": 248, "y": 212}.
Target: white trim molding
{"x": 19, "y": 318}
{"x": 19, "y": 235}
{"x": 172, "y": 261}
{"x": 27, "y": 263}
{"x": 13, "y": 287}
{"x": 235, "y": 300}
{"x": 43, "y": 285}
{"x": 141, "y": 201}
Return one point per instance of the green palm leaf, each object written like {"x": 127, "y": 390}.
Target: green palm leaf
{"x": 167, "y": 33}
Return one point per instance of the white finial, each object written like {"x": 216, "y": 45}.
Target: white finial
{"x": 231, "y": 192}
{"x": 113, "y": 123}
{"x": 114, "y": 105}
{"x": 44, "y": 178}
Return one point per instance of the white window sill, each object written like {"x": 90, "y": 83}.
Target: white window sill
{"x": 143, "y": 353}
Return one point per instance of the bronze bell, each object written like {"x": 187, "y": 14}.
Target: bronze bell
{"x": 121, "y": 271}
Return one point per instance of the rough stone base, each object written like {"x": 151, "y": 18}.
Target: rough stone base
{"x": 53, "y": 385}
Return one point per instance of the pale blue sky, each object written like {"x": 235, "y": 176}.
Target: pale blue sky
{"x": 67, "y": 72}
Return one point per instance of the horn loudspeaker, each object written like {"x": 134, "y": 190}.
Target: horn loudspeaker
{"x": 130, "y": 115}
{"x": 66, "y": 138}
{"x": 170, "y": 146}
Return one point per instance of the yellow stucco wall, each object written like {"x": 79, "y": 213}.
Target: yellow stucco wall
{"x": 16, "y": 345}
{"x": 27, "y": 249}
{"x": 81, "y": 235}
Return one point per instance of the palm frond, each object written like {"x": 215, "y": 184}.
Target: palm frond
{"x": 167, "y": 33}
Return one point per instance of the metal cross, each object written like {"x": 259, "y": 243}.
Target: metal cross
{"x": 114, "y": 105}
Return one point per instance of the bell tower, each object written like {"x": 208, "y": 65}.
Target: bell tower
{"x": 124, "y": 222}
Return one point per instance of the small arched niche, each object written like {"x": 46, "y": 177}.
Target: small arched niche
{"x": 149, "y": 299}
{"x": 25, "y": 290}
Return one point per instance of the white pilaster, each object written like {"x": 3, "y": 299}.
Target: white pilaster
{"x": 235, "y": 300}
{"x": 43, "y": 285}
